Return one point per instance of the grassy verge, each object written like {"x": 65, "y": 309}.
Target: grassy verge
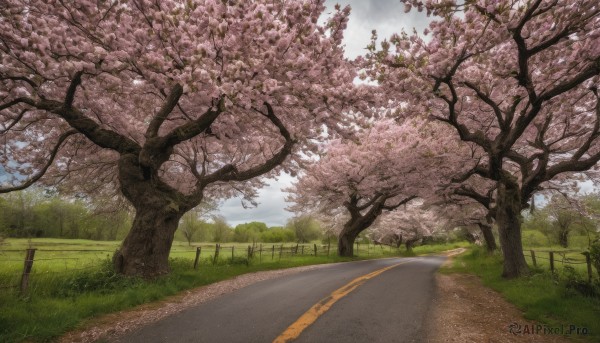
{"x": 437, "y": 248}
{"x": 61, "y": 302}
{"x": 551, "y": 299}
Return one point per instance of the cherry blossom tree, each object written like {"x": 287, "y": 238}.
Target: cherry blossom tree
{"x": 468, "y": 203}
{"x": 517, "y": 79}
{"x": 467, "y": 213}
{"x": 166, "y": 101}
{"x": 387, "y": 166}
{"x": 405, "y": 226}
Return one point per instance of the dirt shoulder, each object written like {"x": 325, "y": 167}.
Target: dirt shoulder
{"x": 466, "y": 311}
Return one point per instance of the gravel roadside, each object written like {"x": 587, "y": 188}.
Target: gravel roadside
{"x": 465, "y": 311}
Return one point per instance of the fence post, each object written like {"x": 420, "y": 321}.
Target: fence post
{"x": 552, "y": 261}
{"x": 249, "y": 253}
{"x": 273, "y": 252}
{"x": 588, "y": 261}
{"x": 260, "y": 253}
{"x": 315, "y": 249}
{"x": 27, "y": 269}
{"x": 296, "y": 251}
{"x": 533, "y": 258}
{"x": 217, "y": 247}
{"x": 198, "y": 252}
{"x": 302, "y": 253}
{"x": 280, "y": 250}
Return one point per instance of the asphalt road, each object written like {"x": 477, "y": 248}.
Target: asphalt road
{"x": 389, "y": 307}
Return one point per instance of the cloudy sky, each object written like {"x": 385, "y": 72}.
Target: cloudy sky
{"x": 385, "y": 16}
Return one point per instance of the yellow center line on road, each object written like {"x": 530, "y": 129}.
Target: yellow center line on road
{"x": 310, "y": 316}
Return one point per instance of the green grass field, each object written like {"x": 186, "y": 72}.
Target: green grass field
{"x": 562, "y": 257}
{"x": 69, "y": 286}
{"x": 543, "y": 297}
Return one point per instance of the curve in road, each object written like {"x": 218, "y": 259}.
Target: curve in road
{"x": 383, "y": 300}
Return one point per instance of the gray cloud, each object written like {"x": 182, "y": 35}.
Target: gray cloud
{"x": 385, "y": 16}
{"x": 270, "y": 209}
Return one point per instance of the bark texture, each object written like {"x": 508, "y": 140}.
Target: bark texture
{"x": 346, "y": 243}
{"x": 509, "y": 227}
{"x": 145, "y": 250}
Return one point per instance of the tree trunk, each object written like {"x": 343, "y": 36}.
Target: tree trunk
{"x": 346, "y": 243}
{"x": 158, "y": 208}
{"x": 410, "y": 243}
{"x": 509, "y": 227}
{"x": 488, "y": 237}
{"x": 145, "y": 250}
{"x": 397, "y": 240}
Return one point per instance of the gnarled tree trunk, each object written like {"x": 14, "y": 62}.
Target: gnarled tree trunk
{"x": 509, "y": 227}
{"x": 145, "y": 250}
{"x": 488, "y": 237}
{"x": 357, "y": 224}
{"x": 346, "y": 243}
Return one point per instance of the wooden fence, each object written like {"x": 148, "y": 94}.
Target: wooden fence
{"x": 21, "y": 279}
{"x": 277, "y": 251}
{"x": 560, "y": 256}
{"x": 25, "y": 275}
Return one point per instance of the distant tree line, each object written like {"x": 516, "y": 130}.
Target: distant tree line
{"x": 44, "y": 213}
{"x": 39, "y": 212}
{"x": 195, "y": 228}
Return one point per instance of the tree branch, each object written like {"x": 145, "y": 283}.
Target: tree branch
{"x": 168, "y": 106}
{"x": 592, "y": 70}
{"x": 16, "y": 101}
{"x": 230, "y": 173}
{"x": 75, "y": 82}
{"x": 369, "y": 203}
{"x": 400, "y": 203}
{"x": 42, "y": 171}
{"x": 488, "y": 101}
{"x": 20, "y": 78}
{"x": 192, "y": 129}
{"x": 471, "y": 193}
{"x": 14, "y": 122}
{"x": 76, "y": 119}
{"x": 104, "y": 138}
